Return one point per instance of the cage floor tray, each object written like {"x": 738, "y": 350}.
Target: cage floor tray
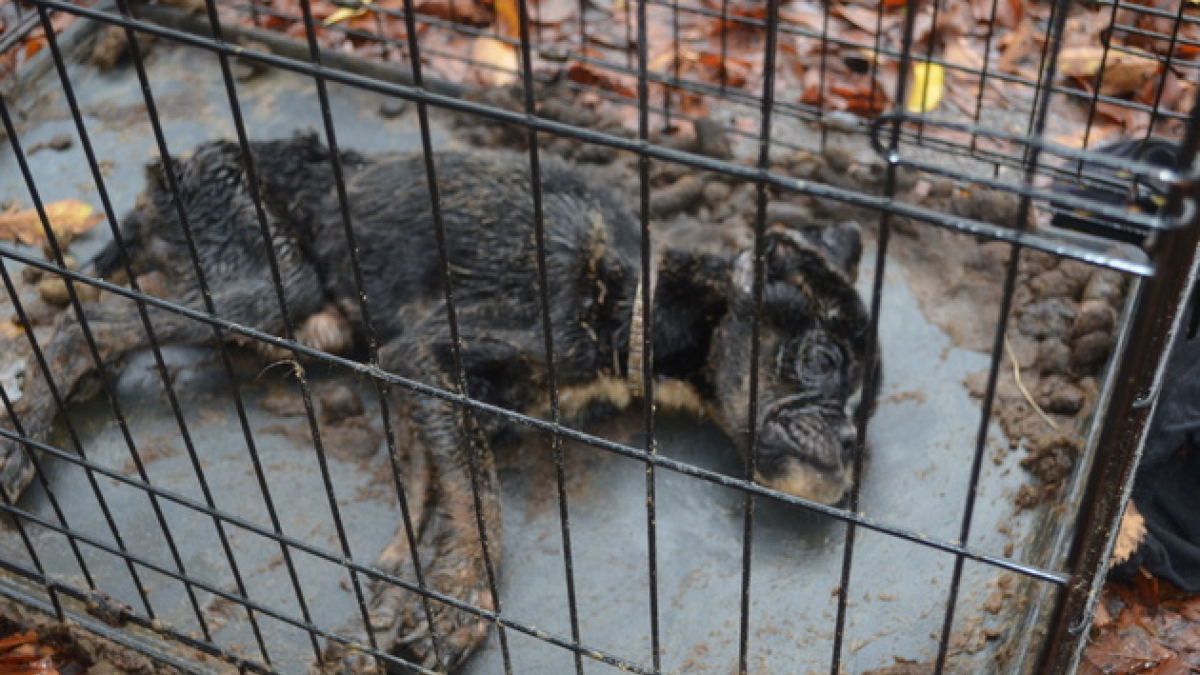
{"x": 921, "y": 444}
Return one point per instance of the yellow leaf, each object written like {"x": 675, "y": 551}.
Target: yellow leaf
{"x": 928, "y": 83}
{"x": 344, "y": 13}
{"x": 68, "y": 218}
{"x": 508, "y": 18}
{"x": 498, "y": 61}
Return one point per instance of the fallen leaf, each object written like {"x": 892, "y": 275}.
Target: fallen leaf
{"x": 1127, "y": 118}
{"x": 497, "y": 61}
{"x": 1009, "y": 13}
{"x": 961, "y": 52}
{"x": 862, "y": 18}
{"x": 34, "y": 46}
{"x": 508, "y": 18}
{"x": 68, "y": 218}
{"x": 804, "y": 14}
{"x": 1124, "y": 72}
{"x": 581, "y": 74}
{"x": 344, "y": 13}
{"x": 1016, "y": 46}
{"x": 1102, "y": 618}
{"x": 459, "y": 11}
{"x": 18, "y": 639}
{"x": 41, "y": 666}
{"x": 1130, "y": 534}
{"x": 928, "y": 82}
{"x": 1094, "y": 138}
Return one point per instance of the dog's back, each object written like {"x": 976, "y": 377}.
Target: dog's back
{"x": 486, "y": 208}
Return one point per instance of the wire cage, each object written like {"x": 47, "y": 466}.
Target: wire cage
{"x": 1022, "y": 175}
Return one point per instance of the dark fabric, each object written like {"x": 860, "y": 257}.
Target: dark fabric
{"x": 1166, "y": 485}
{"x": 1116, "y": 187}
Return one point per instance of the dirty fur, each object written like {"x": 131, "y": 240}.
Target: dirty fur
{"x": 813, "y": 325}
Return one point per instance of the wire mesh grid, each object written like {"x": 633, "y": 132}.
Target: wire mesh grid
{"x": 648, "y": 65}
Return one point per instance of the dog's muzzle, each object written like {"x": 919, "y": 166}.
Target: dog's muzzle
{"x": 806, "y": 449}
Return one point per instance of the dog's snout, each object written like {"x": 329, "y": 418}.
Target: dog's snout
{"x": 807, "y": 433}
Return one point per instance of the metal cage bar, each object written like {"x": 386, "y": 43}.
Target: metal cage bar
{"x": 1162, "y": 279}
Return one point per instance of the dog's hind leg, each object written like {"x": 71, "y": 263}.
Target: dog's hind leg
{"x": 63, "y": 374}
{"x": 456, "y": 557}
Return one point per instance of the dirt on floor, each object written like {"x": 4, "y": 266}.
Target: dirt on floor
{"x": 33, "y": 643}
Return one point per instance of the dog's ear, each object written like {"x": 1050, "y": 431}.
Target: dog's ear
{"x": 792, "y": 258}
{"x": 842, "y": 244}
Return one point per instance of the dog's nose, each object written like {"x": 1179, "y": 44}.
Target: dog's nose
{"x": 806, "y": 433}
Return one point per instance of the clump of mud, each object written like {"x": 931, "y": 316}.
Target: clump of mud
{"x": 1059, "y": 337}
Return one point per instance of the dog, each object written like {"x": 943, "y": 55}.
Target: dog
{"x": 814, "y": 360}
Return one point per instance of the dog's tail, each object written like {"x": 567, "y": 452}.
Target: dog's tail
{"x": 108, "y": 261}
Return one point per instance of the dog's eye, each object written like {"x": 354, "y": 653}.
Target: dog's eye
{"x": 821, "y": 359}
{"x": 811, "y": 361}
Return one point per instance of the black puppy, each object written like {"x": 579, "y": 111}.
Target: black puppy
{"x": 814, "y": 352}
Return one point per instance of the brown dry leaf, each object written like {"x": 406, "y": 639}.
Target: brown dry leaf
{"x": 25, "y": 654}
{"x": 463, "y": 11}
{"x": 1122, "y": 115}
{"x": 1128, "y": 74}
{"x": 1130, "y": 534}
{"x": 34, "y": 46}
{"x": 862, "y": 18}
{"x": 736, "y": 70}
{"x": 1173, "y": 665}
{"x": 1102, "y": 618}
{"x": 805, "y": 14}
{"x": 18, "y": 639}
{"x": 1008, "y": 12}
{"x": 1127, "y": 652}
{"x": 961, "y": 52}
{"x": 584, "y": 75}
{"x": 1016, "y": 46}
{"x": 953, "y": 20}
{"x": 1172, "y": 95}
{"x": 68, "y": 218}
{"x": 1124, "y": 73}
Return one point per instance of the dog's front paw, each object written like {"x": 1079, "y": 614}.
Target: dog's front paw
{"x": 340, "y": 659}
{"x": 402, "y": 627}
{"x": 454, "y": 634}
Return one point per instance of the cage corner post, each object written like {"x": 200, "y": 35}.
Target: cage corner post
{"x": 1158, "y": 317}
